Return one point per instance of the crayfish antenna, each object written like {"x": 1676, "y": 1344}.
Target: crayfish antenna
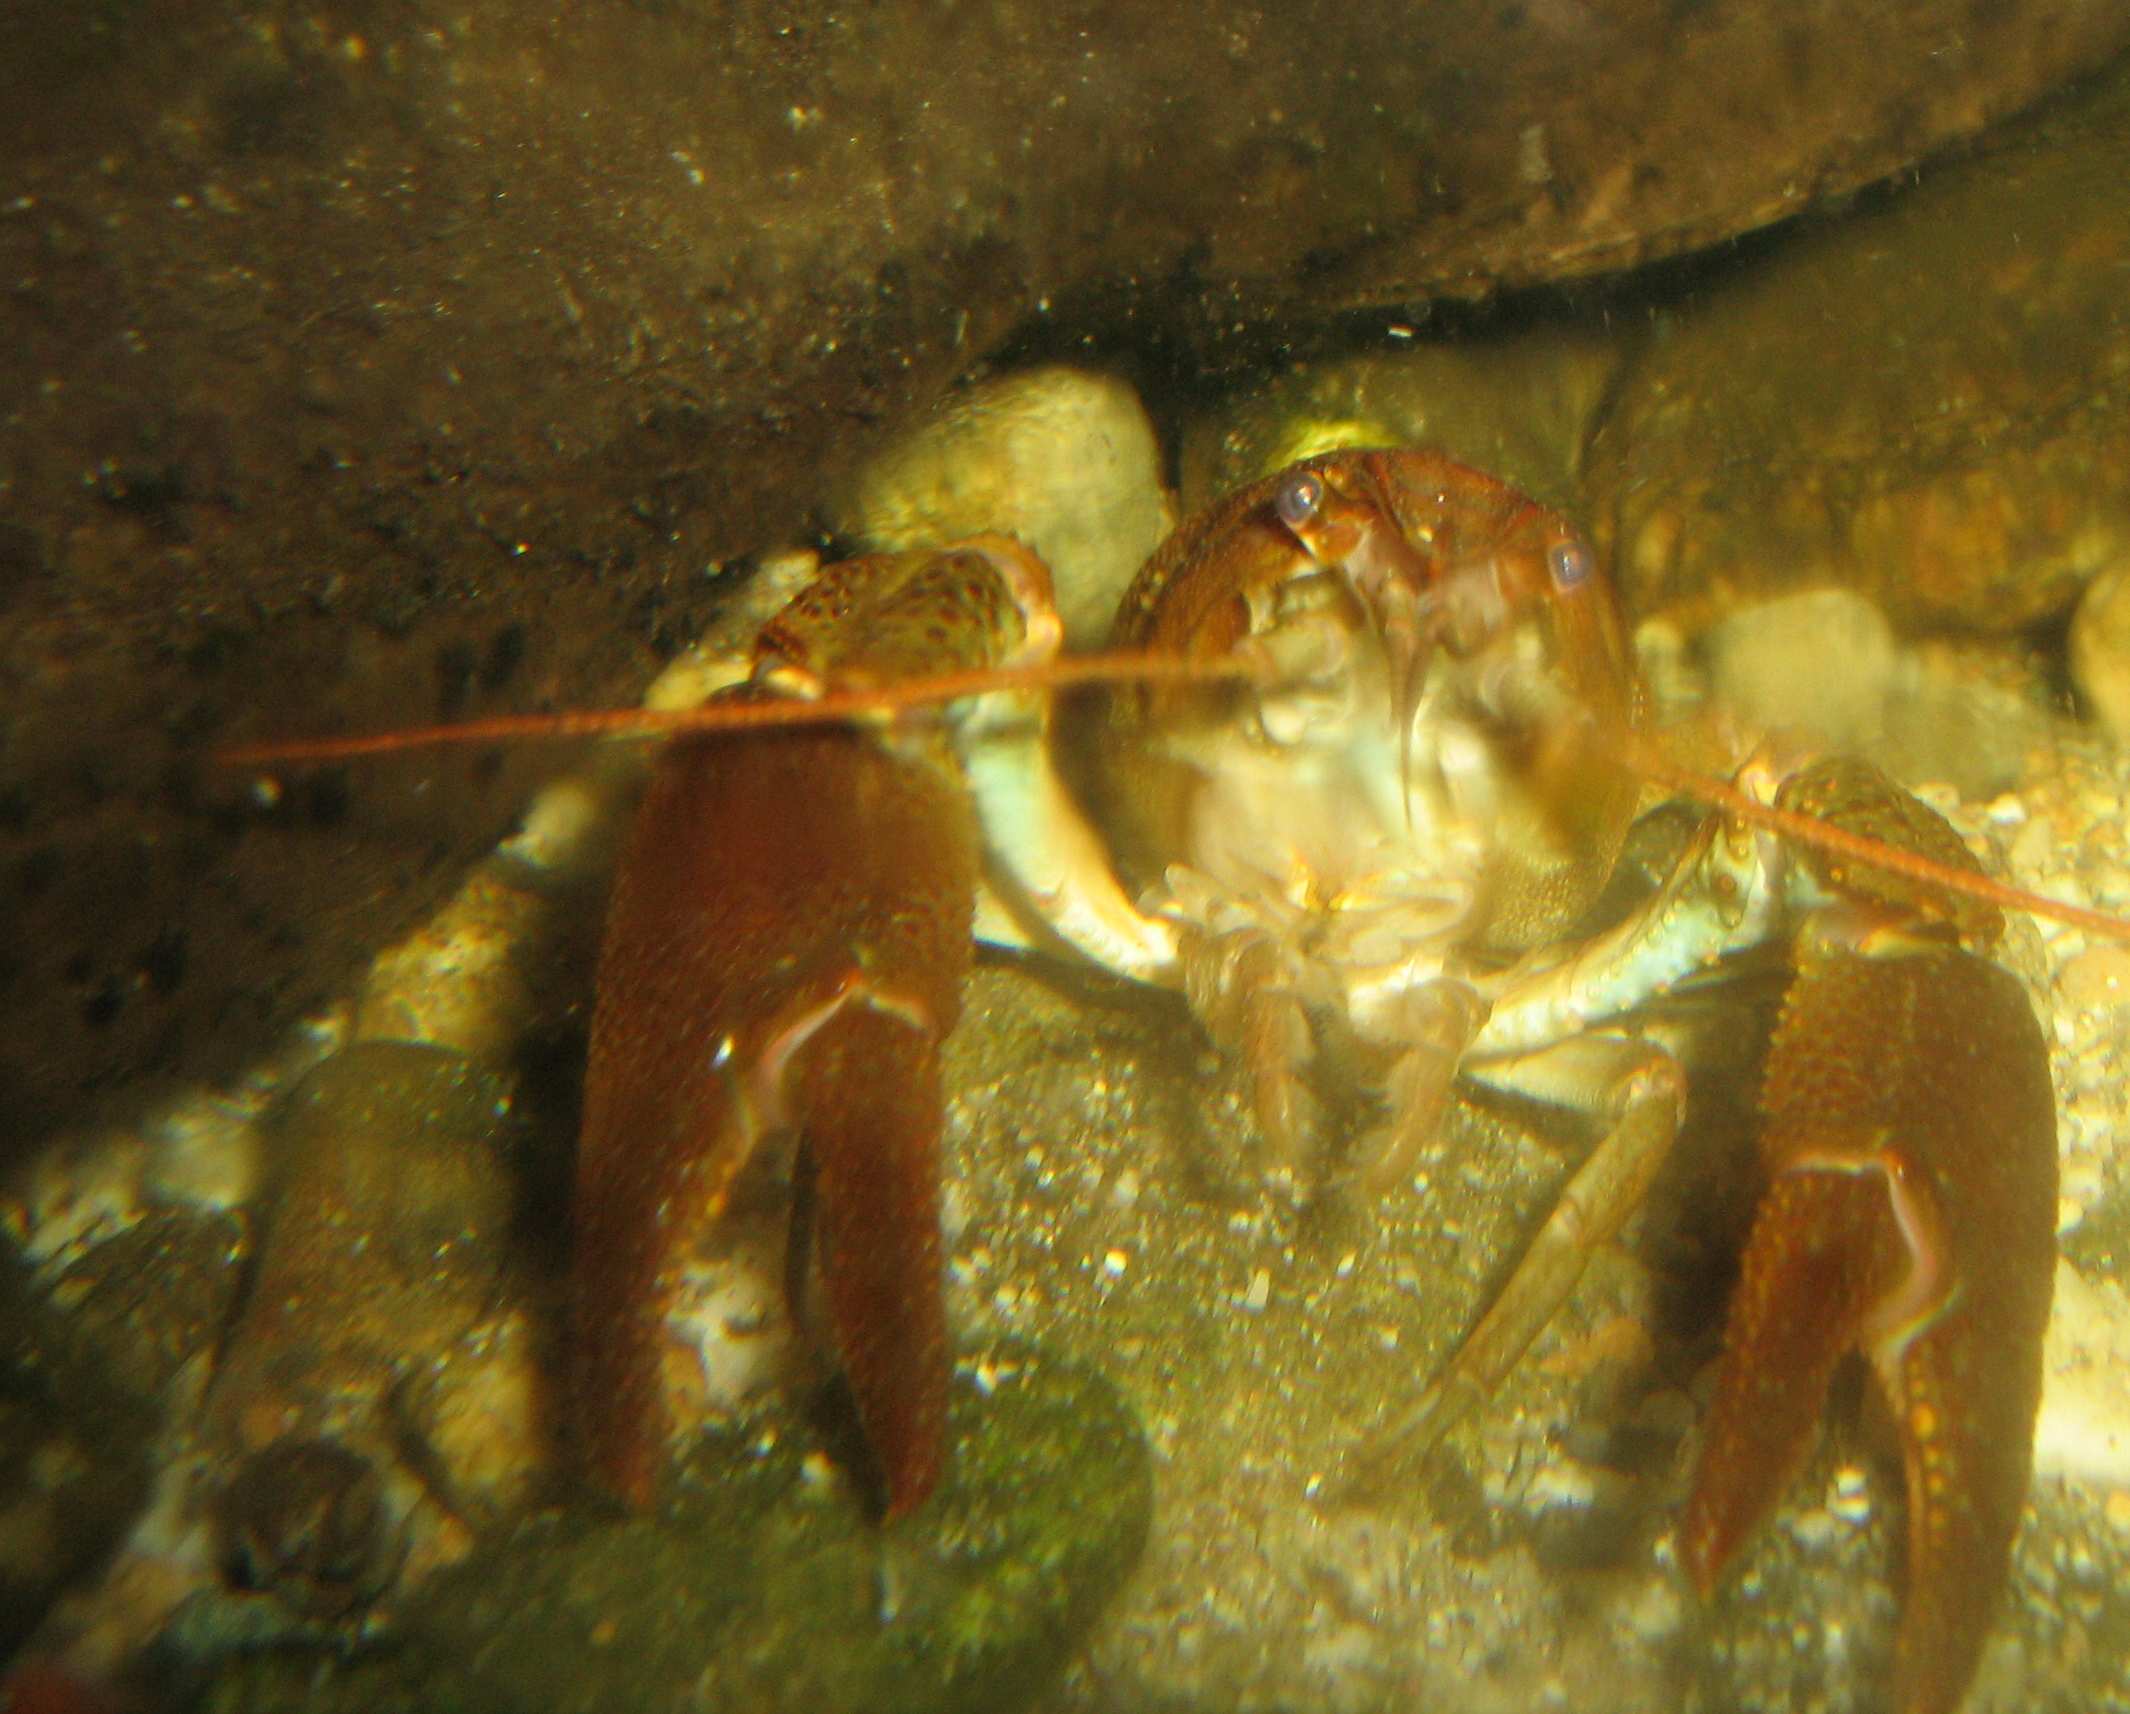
{"x": 1644, "y": 759}
{"x": 733, "y": 715}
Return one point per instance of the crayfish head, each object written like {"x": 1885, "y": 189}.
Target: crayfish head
{"x": 1438, "y": 663}
{"x": 1470, "y": 598}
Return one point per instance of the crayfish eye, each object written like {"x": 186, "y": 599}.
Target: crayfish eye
{"x": 1570, "y": 563}
{"x": 1298, "y": 498}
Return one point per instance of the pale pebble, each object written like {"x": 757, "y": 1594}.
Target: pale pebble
{"x": 1064, "y": 460}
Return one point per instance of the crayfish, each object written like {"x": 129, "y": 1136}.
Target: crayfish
{"x": 1361, "y": 769}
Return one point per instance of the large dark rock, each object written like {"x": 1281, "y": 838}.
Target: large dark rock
{"x": 1927, "y": 401}
{"x": 374, "y": 361}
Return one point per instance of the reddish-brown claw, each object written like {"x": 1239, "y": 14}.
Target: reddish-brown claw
{"x": 784, "y": 949}
{"x": 1910, "y": 1138}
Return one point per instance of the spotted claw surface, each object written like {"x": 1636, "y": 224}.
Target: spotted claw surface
{"x": 784, "y": 949}
{"x": 1910, "y": 1143}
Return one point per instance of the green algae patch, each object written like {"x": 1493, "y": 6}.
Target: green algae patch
{"x": 762, "y": 1586}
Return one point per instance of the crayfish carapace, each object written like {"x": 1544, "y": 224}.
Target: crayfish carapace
{"x": 1369, "y": 759}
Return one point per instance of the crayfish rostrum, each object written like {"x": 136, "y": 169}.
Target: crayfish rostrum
{"x": 1371, "y": 760}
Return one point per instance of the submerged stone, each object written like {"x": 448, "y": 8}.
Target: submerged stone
{"x": 73, "y": 1450}
{"x": 761, "y": 1586}
{"x": 1924, "y": 401}
{"x": 1061, "y": 459}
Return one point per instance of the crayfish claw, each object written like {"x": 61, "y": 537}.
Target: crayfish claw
{"x": 1793, "y": 1318}
{"x": 784, "y": 950}
{"x": 1910, "y": 1219}
{"x": 873, "y": 1125}
{"x": 1966, "y": 1450}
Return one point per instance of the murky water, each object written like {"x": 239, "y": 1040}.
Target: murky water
{"x": 293, "y": 1344}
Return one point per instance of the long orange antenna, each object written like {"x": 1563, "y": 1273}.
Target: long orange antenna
{"x": 849, "y": 706}
{"x": 838, "y": 708}
{"x": 1647, "y": 761}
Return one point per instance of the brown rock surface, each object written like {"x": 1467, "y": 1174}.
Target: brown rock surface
{"x": 1927, "y": 400}
{"x": 375, "y": 361}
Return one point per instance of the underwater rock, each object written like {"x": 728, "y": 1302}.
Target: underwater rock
{"x": 1823, "y": 666}
{"x": 1062, "y": 460}
{"x": 339, "y": 1384}
{"x": 74, "y": 1433}
{"x": 307, "y": 1519}
{"x": 763, "y": 1585}
{"x": 102, "y": 1353}
{"x": 380, "y": 1378}
{"x": 1923, "y": 400}
{"x": 2100, "y": 651}
{"x": 156, "y": 1296}
{"x": 1819, "y": 662}
{"x": 1519, "y": 405}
